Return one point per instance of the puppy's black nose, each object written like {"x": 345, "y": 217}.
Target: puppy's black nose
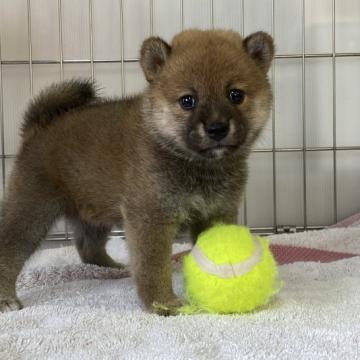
{"x": 217, "y": 130}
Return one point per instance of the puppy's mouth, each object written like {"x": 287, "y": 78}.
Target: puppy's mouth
{"x": 217, "y": 151}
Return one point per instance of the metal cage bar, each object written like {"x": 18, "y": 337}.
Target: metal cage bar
{"x": 270, "y": 150}
{"x": 122, "y": 61}
{"x": 151, "y": 17}
{"x": 333, "y": 30}
{"x": 181, "y": 15}
{"x": 61, "y": 47}
{"x": 273, "y": 150}
{"x": 303, "y": 114}
{"x": 91, "y": 40}
{"x": 61, "y": 75}
{"x": 31, "y": 76}
{"x": 2, "y": 122}
{"x": 135, "y": 60}
{"x": 242, "y": 32}
{"x": 212, "y": 14}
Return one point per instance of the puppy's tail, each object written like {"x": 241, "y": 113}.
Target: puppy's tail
{"x": 56, "y": 100}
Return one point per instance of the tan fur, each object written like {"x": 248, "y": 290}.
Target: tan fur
{"x": 143, "y": 162}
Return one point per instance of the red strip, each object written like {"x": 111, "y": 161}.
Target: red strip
{"x": 285, "y": 254}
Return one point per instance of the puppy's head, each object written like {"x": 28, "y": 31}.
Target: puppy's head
{"x": 209, "y": 96}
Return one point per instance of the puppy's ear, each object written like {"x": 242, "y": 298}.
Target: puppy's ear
{"x": 154, "y": 53}
{"x": 260, "y": 47}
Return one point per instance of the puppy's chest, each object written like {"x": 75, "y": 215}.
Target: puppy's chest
{"x": 203, "y": 196}
{"x": 198, "y": 205}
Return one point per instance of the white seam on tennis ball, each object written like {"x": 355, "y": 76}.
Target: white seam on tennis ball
{"x": 228, "y": 270}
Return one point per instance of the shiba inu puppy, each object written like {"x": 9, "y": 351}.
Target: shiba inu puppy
{"x": 171, "y": 158}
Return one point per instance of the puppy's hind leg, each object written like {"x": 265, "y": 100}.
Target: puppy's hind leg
{"x": 26, "y": 216}
{"x": 90, "y": 241}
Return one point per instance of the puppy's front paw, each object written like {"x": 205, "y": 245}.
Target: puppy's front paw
{"x": 9, "y": 304}
{"x": 168, "y": 308}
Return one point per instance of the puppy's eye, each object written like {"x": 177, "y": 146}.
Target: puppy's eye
{"x": 236, "y": 96}
{"x": 188, "y": 102}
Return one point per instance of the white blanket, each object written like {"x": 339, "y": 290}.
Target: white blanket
{"x": 76, "y": 311}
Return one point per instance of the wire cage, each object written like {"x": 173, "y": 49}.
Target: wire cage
{"x": 305, "y": 169}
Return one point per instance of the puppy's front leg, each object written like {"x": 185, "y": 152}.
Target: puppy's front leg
{"x": 150, "y": 244}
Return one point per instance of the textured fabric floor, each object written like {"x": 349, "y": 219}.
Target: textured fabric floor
{"x": 76, "y": 311}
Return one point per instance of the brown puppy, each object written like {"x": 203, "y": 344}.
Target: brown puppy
{"x": 171, "y": 158}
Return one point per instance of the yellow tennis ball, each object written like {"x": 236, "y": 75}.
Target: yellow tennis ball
{"x": 229, "y": 271}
